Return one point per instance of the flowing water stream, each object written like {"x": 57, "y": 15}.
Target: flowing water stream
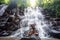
{"x": 32, "y": 16}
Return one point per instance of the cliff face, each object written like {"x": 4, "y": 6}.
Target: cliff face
{"x": 9, "y": 21}
{"x": 50, "y": 16}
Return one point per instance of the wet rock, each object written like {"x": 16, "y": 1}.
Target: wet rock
{"x": 28, "y": 39}
{"x": 58, "y": 23}
{"x": 55, "y": 35}
{"x": 47, "y": 17}
{"x": 9, "y": 22}
{"x": 54, "y": 23}
{"x": 2, "y": 9}
{"x": 57, "y": 19}
{"x": 21, "y": 11}
{"x": 4, "y": 33}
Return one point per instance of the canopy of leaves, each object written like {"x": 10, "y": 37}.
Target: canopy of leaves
{"x": 51, "y": 5}
{"x": 4, "y": 1}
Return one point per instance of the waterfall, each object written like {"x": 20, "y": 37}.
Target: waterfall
{"x": 31, "y": 16}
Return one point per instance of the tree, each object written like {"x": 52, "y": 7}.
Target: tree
{"x": 4, "y": 1}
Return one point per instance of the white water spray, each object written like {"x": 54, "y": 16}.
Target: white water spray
{"x": 31, "y": 16}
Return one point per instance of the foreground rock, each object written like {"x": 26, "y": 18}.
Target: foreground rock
{"x": 27, "y": 39}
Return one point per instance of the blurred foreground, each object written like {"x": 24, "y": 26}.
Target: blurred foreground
{"x": 27, "y": 39}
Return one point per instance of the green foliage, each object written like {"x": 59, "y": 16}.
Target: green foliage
{"x": 21, "y": 3}
{"x": 4, "y": 1}
{"x": 51, "y": 5}
{"x": 1, "y": 1}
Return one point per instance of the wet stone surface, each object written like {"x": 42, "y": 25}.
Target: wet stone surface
{"x": 9, "y": 22}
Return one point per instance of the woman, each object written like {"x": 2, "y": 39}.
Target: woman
{"x": 33, "y": 33}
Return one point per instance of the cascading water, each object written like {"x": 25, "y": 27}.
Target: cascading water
{"x": 31, "y": 16}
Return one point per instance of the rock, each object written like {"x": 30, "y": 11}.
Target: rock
{"x": 8, "y": 24}
{"x": 4, "y": 33}
{"x": 57, "y": 19}
{"x": 28, "y": 39}
{"x": 2, "y": 9}
{"x": 55, "y": 35}
{"x": 21, "y": 11}
{"x": 47, "y": 17}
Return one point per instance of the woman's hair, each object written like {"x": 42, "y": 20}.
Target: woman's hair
{"x": 33, "y": 25}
